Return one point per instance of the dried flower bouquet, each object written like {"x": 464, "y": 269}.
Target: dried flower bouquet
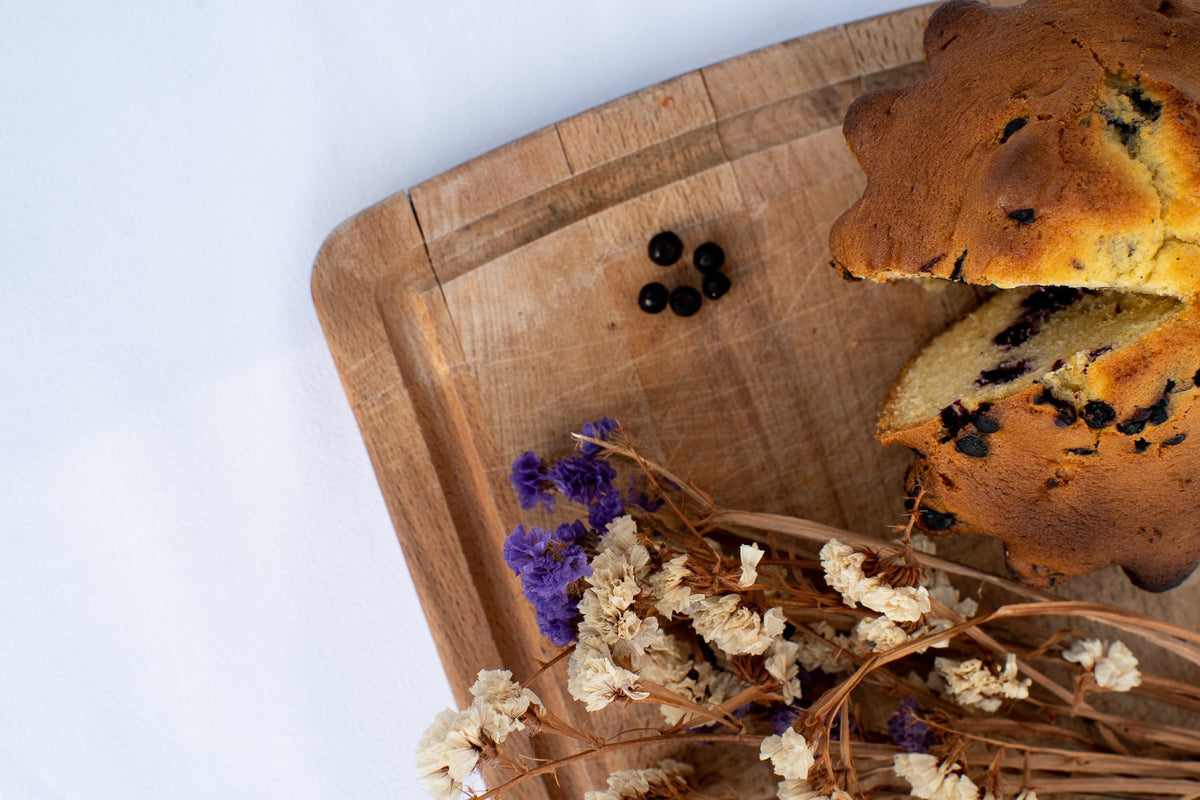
{"x": 854, "y": 667}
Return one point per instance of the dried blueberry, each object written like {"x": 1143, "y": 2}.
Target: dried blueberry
{"x": 709, "y": 257}
{"x": 931, "y": 263}
{"x": 684, "y": 301}
{"x": 1065, "y": 416}
{"x": 653, "y": 298}
{"x": 1082, "y": 451}
{"x": 665, "y": 248}
{"x": 1150, "y": 109}
{"x": 971, "y": 445}
{"x": 1158, "y": 412}
{"x": 846, "y": 274}
{"x": 1098, "y": 414}
{"x": 1050, "y": 299}
{"x": 1038, "y": 305}
{"x": 1126, "y": 131}
{"x": 954, "y": 418}
{"x": 714, "y": 285}
{"x": 1174, "y": 440}
{"x": 1022, "y": 216}
{"x": 1140, "y": 446}
{"x": 986, "y": 424}
{"x": 1136, "y": 423}
{"x": 937, "y": 520}
{"x": 1012, "y": 127}
{"x": 957, "y": 273}
{"x": 1016, "y": 334}
{"x": 1004, "y": 372}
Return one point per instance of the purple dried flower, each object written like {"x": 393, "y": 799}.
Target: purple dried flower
{"x": 558, "y": 624}
{"x": 835, "y": 730}
{"x": 536, "y": 551}
{"x": 607, "y": 507}
{"x": 523, "y": 549}
{"x": 782, "y": 718}
{"x": 528, "y": 476}
{"x": 583, "y": 480}
{"x": 638, "y": 497}
{"x": 549, "y": 561}
{"x": 909, "y": 732}
{"x": 600, "y": 429}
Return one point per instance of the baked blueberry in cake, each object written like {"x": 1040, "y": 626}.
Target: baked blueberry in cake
{"x": 1051, "y": 152}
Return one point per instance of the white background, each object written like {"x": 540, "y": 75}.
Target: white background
{"x": 201, "y": 595}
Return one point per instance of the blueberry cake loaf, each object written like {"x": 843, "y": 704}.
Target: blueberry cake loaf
{"x": 1052, "y": 152}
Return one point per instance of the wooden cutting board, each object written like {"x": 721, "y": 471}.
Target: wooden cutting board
{"x": 492, "y": 310}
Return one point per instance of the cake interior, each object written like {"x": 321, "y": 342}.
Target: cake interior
{"x": 1048, "y": 334}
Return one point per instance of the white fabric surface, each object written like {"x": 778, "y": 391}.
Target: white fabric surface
{"x": 202, "y": 595}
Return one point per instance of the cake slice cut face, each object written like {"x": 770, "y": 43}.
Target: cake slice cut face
{"x": 1052, "y": 153}
{"x": 1061, "y": 421}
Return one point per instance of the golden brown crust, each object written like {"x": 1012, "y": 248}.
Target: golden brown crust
{"x": 1069, "y": 498}
{"x": 1051, "y": 143}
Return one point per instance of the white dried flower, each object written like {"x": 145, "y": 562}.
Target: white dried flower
{"x": 899, "y": 604}
{"x": 435, "y": 761}
{"x": 790, "y": 754}
{"x": 595, "y": 680}
{"x": 1084, "y": 652}
{"x": 715, "y": 685}
{"x": 668, "y": 664}
{"x": 945, "y": 593}
{"x": 774, "y": 622}
{"x": 620, "y": 553}
{"x": 880, "y": 632}
{"x": 623, "y": 526}
{"x": 933, "y": 625}
{"x": 664, "y": 661}
{"x": 750, "y": 555}
{"x": 501, "y": 701}
{"x": 607, "y": 617}
{"x": 817, "y": 655}
{"x": 450, "y": 748}
{"x": 923, "y": 544}
{"x": 667, "y": 585}
{"x": 630, "y": 784}
{"x": 1114, "y": 665}
{"x": 734, "y": 629}
{"x": 701, "y": 683}
{"x": 969, "y": 683}
{"x": 782, "y": 662}
{"x": 619, "y": 573}
{"x": 844, "y": 573}
{"x": 448, "y": 752}
{"x": 933, "y": 781}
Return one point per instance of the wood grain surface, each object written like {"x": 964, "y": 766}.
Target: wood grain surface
{"x": 492, "y": 310}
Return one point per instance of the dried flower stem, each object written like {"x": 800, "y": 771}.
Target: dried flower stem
{"x": 611, "y": 747}
{"x": 1053, "y": 740}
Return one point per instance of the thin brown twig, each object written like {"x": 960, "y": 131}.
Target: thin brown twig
{"x": 609, "y": 747}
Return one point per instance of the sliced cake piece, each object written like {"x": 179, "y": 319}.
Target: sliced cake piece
{"x": 1052, "y": 152}
{"x": 1033, "y": 420}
